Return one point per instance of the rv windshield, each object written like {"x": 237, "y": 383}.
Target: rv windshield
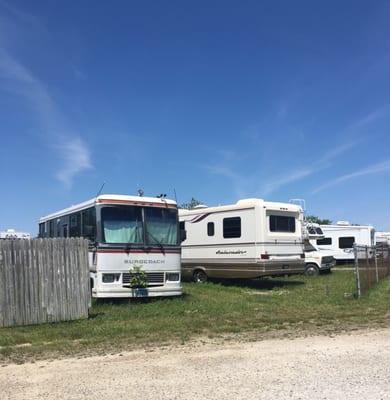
{"x": 126, "y": 224}
{"x": 122, "y": 224}
{"x": 160, "y": 226}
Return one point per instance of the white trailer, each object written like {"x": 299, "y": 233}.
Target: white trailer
{"x": 341, "y": 237}
{"x": 13, "y": 234}
{"x": 249, "y": 239}
{"x": 382, "y": 238}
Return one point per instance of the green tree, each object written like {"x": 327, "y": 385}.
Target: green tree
{"x": 317, "y": 220}
{"x": 191, "y": 204}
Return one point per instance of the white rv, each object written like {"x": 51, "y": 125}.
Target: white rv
{"x": 382, "y": 238}
{"x": 249, "y": 239}
{"x": 340, "y": 238}
{"x": 316, "y": 261}
{"x": 13, "y": 234}
{"x": 126, "y": 233}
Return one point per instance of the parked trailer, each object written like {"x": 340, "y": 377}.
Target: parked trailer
{"x": 125, "y": 233}
{"x": 341, "y": 237}
{"x": 14, "y": 234}
{"x": 249, "y": 239}
{"x": 382, "y": 238}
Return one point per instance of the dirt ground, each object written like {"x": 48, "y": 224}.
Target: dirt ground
{"x": 347, "y": 366}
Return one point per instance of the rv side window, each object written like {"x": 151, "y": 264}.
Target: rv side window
{"x": 51, "y": 228}
{"x": 210, "y": 229}
{"x": 346, "y": 242}
{"x": 324, "y": 241}
{"x": 88, "y": 218}
{"x": 281, "y": 223}
{"x": 42, "y": 230}
{"x": 232, "y": 227}
{"x": 75, "y": 225}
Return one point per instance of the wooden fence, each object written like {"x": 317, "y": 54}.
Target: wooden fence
{"x": 43, "y": 280}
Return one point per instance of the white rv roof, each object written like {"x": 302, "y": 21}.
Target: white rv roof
{"x": 114, "y": 199}
{"x": 246, "y": 203}
{"x": 345, "y": 227}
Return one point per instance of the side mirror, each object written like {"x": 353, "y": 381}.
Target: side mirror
{"x": 183, "y": 235}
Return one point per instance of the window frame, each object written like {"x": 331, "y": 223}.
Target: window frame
{"x": 346, "y": 237}
{"x": 276, "y": 229}
{"x": 210, "y": 229}
{"x": 324, "y": 244}
{"x": 230, "y": 235}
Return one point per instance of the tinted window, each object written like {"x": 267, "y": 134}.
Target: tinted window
{"x": 324, "y": 241}
{"x": 281, "y": 223}
{"x": 75, "y": 225}
{"x": 182, "y": 225}
{"x": 51, "y": 228}
{"x": 210, "y": 229}
{"x": 346, "y": 242}
{"x": 232, "y": 227}
{"x": 42, "y": 230}
{"x": 88, "y": 220}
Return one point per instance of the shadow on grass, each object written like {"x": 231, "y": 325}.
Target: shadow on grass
{"x": 137, "y": 300}
{"x": 260, "y": 284}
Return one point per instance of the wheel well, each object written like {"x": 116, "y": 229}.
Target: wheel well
{"x": 311, "y": 264}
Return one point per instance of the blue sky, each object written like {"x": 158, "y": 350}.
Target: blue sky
{"x": 219, "y": 100}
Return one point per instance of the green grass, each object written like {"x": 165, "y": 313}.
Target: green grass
{"x": 254, "y": 309}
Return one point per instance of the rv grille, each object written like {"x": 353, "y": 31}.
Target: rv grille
{"x": 153, "y": 278}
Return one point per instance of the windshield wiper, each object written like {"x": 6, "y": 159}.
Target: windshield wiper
{"x": 130, "y": 243}
{"x": 157, "y": 241}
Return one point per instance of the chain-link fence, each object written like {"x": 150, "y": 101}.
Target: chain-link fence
{"x": 371, "y": 265}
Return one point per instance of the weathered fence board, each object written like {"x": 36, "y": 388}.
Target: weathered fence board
{"x": 43, "y": 280}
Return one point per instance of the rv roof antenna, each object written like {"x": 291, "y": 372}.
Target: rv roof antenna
{"x": 299, "y": 202}
{"x": 100, "y": 190}
{"x": 161, "y": 196}
{"x": 140, "y": 192}
{"x": 174, "y": 192}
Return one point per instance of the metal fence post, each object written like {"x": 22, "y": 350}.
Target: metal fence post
{"x": 376, "y": 265}
{"x": 355, "y": 250}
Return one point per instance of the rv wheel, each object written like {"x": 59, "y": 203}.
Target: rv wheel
{"x": 312, "y": 270}
{"x": 199, "y": 276}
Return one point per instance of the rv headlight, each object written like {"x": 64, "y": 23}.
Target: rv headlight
{"x": 173, "y": 276}
{"x": 110, "y": 278}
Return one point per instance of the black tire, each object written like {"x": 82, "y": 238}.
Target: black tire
{"x": 199, "y": 276}
{"x": 312, "y": 270}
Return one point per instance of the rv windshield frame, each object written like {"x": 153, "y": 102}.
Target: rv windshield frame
{"x": 140, "y": 231}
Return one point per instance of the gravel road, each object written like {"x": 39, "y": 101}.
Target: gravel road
{"x": 351, "y": 366}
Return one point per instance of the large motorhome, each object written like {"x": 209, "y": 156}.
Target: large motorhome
{"x": 249, "y": 239}
{"x": 341, "y": 237}
{"x": 126, "y": 233}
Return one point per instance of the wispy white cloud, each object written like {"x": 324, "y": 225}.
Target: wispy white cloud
{"x": 293, "y": 176}
{"x": 71, "y": 148}
{"x": 370, "y": 170}
{"x": 246, "y": 183}
{"x": 300, "y": 173}
{"x": 76, "y": 158}
{"x": 371, "y": 117}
